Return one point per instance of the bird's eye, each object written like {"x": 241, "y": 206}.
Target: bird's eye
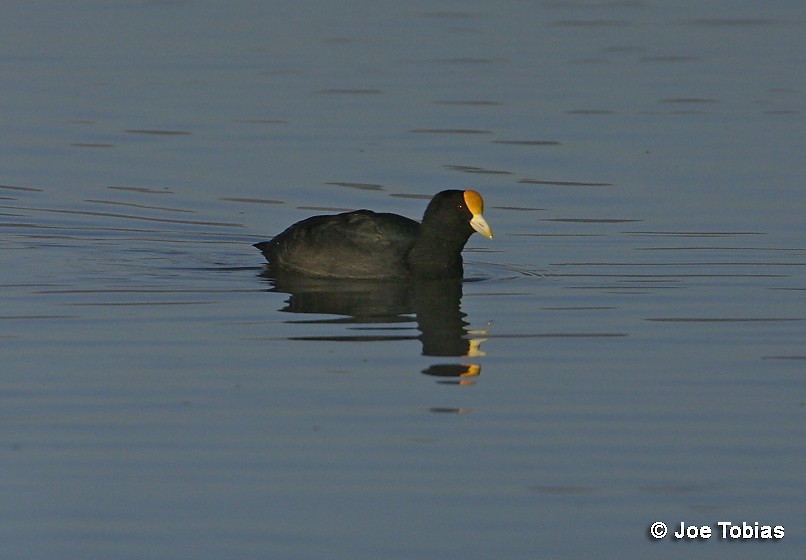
{"x": 460, "y": 207}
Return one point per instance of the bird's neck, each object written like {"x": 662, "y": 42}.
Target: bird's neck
{"x": 436, "y": 256}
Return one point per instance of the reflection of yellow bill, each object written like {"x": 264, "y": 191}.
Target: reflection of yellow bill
{"x": 473, "y": 370}
{"x": 473, "y": 351}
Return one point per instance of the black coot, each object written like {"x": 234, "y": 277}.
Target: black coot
{"x": 366, "y": 244}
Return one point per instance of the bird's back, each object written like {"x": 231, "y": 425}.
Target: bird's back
{"x": 360, "y": 244}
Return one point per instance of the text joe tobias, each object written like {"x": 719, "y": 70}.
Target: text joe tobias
{"x": 728, "y": 530}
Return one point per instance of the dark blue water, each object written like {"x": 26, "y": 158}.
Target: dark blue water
{"x": 629, "y": 348}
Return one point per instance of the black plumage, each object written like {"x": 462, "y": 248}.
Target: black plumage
{"x": 366, "y": 244}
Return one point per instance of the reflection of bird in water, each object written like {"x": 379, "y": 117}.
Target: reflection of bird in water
{"x": 365, "y": 244}
{"x": 434, "y": 303}
{"x": 454, "y": 374}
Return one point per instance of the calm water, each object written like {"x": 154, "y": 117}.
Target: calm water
{"x": 629, "y": 348}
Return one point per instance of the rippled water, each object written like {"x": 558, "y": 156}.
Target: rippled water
{"x": 629, "y": 348}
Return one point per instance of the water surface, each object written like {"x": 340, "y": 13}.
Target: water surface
{"x": 628, "y": 349}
